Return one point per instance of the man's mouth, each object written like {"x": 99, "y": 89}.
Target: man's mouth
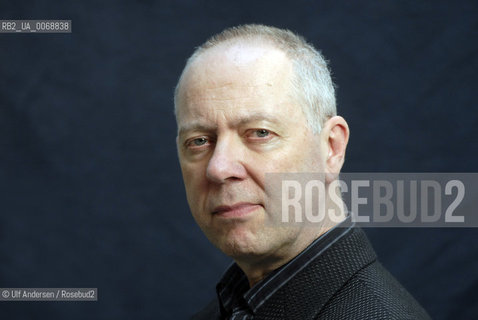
{"x": 237, "y": 210}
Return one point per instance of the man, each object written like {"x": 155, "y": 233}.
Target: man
{"x": 255, "y": 100}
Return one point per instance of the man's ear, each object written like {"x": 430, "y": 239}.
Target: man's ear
{"x": 335, "y": 134}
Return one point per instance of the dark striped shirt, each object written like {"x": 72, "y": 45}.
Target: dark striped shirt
{"x": 239, "y": 302}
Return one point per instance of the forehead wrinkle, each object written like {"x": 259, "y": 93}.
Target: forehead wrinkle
{"x": 224, "y": 92}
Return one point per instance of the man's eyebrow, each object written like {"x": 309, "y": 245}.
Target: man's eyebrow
{"x": 197, "y": 125}
{"x": 258, "y": 117}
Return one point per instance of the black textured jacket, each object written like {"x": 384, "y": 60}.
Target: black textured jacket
{"x": 344, "y": 282}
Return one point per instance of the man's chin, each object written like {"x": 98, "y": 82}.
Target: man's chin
{"x": 240, "y": 246}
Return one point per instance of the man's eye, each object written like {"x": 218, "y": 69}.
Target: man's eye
{"x": 198, "y": 142}
{"x": 261, "y": 133}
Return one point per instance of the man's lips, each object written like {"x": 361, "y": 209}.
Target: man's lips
{"x": 236, "y": 210}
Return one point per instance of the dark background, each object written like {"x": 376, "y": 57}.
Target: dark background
{"x": 90, "y": 188}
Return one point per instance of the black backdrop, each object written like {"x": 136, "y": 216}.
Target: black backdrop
{"x": 90, "y": 188}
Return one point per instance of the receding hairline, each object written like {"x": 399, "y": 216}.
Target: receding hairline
{"x": 221, "y": 49}
{"x": 311, "y": 77}
{"x": 283, "y": 40}
{"x": 223, "y": 46}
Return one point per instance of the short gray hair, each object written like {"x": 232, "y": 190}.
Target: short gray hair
{"x": 312, "y": 84}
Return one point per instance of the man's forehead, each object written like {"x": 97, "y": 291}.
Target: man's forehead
{"x": 234, "y": 72}
{"x": 248, "y": 62}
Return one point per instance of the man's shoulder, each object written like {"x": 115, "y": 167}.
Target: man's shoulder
{"x": 373, "y": 293}
{"x": 210, "y": 312}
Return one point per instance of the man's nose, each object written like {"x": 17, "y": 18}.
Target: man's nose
{"x": 226, "y": 163}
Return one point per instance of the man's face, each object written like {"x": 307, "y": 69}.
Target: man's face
{"x": 237, "y": 120}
